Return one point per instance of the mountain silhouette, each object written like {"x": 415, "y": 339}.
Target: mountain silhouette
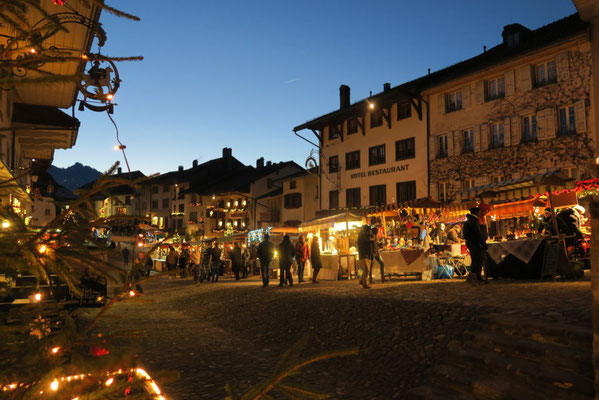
{"x": 74, "y": 176}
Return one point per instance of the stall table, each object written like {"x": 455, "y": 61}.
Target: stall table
{"x": 517, "y": 259}
{"x": 402, "y": 262}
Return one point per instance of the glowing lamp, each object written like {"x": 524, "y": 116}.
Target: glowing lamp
{"x": 55, "y": 350}
{"x": 131, "y": 293}
{"x": 140, "y": 244}
{"x": 54, "y": 385}
{"x": 109, "y": 96}
{"x": 32, "y": 50}
{"x": 37, "y": 297}
{"x": 5, "y": 224}
{"x": 42, "y": 249}
{"x": 120, "y": 147}
{"x": 371, "y": 105}
{"x": 109, "y": 381}
{"x": 84, "y": 56}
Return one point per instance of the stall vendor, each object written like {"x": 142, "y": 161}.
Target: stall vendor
{"x": 453, "y": 235}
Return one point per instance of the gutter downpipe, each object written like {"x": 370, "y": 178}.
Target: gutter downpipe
{"x": 428, "y": 145}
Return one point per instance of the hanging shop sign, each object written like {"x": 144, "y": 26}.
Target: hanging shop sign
{"x": 379, "y": 171}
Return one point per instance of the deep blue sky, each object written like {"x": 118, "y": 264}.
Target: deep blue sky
{"x": 242, "y": 74}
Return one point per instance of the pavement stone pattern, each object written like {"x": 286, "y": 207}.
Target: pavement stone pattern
{"x": 235, "y": 332}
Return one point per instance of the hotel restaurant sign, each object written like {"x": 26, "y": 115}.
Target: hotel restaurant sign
{"x": 379, "y": 171}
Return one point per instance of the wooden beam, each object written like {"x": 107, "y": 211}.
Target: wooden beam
{"x": 362, "y": 124}
{"x": 318, "y": 135}
{"x": 387, "y": 115}
{"x": 417, "y": 106}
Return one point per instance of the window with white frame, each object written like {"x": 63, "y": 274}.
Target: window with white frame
{"x": 494, "y": 89}
{"x": 442, "y": 146}
{"x": 545, "y": 73}
{"x": 453, "y": 101}
{"x": 468, "y": 184}
{"x": 497, "y": 134}
{"x": 443, "y": 191}
{"x": 468, "y": 141}
{"x": 529, "y": 128}
{"x": 567, "y": 120}
{"x": 570, "y": 172}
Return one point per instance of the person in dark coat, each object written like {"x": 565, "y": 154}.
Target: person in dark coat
{"x": 215, "y": 253}
{"x": 315, "y": 259}
{"x": 568, "y": 223}
{"x": 245, "y": 261}
{"x": 476, "y": 244}
{"x": 376, "y": 255}
{"x": 125, "y": 254}
{"x": 265, "y": 254}
{"x": 286, "y": 256}
{"x": 235, "y": 257}
{"x": 301, "y": 256}
{"x": 365, "y": 255}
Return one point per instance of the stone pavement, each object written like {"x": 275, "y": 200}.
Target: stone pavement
{"x": 235, "y": 332}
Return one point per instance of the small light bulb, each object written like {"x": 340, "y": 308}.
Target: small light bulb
{"x": 37, "y": 296}
{"x": 55, "y": 350}
{"x": 32, "y": 51}
{"x": 54, "y": 385}
{"x": 116, "y": 148}
{"x": 371, "y": 105}
{"x": 42, "y": 249}
{"x": 109, "y": 381}
{"x": 110, "y": 96}
{"x": 84, "y": 56}
{"x": 140, "y": 244}
{"x": 131, "y": 293}
{"x": 5, "y": 224}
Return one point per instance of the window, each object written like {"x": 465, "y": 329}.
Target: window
{"x": 121, "y": 211}
{"x": 47, "y": 211}
{"x": 545, "y": 73}
{"x": 405, "y": 149}
{"x": 164, "y": 203}
{"x": 404, "y": 110}
{"x": 352, "y": 126}
{"x": 567, "y": 120}
{"x": 292, "y": 185}
{"x": 497, "y": 179}
{"x": 376, "y": 117}
{"x": 468, "y": 141}
{"x": 333, "y": 164}
{"x": 494, "y": 89}
{"x": 570, "y": 172}
{"x": 165, "y": 188}
{"x": 181, "y": 208}
{"x": 442, "y": 146}
{"x": 406, "y": 191}
{"x": 334, "y": 199}
{"x": 443, "y": 192}
{"x": 292, "y": 200}
{"x": 154, "y": 204}
{"x": 352, "y": 160}
{"x": 529, "y": 128}
{"x": 127, "y": 200}
{"x": 154, "y": 189}
{"x": 333, "y": 131}
{"x": 378, "y": 195}
{"x": 352, "y": 197}
{"x": 468, "y": 184}
{"x": 497, "y": 135}
{"x": 193, "y": 216}
{"x": 453, "y": 101}
{"x": 376, "y": 155}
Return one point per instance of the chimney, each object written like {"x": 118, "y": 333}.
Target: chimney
{"x": 344, "y": 97}
{"x": 260, "y": 163}
{"x": 194, "y": 163}
{"x": 119, "y": 170}
{"x": 268, "y": 163}
{"x": 228, "y": 157}
{"x": 180, "y": 168}
{"x": 386, "y": 87}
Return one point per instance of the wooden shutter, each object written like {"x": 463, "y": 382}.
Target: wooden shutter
{"x": 507, "y": 136}
{"x": 516, "y": 130}
{"x": 434, "y": 192}
{"x": 581, "y": 116}
{"x": 563, "y": 66}
{"x": 432, "y": 147}
{"x": 450, "y": 143}
{"x": 510, "y": 83}
{"x": 524, "y": 79}
{"x": 550, "y": 123}
{"x": 441, "y": 103}
{"x": 457, "y": 142}
{"x": 541, "y": 126}
{"x": 484, "y": 137}
{"x": 479, "y": 92}
{"x": 477, "y": 138}
{"x": 466, "y": 96}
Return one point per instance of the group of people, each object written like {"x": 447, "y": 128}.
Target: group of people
{"x": 368, "y": 252}
{"x": 301, "y": 252}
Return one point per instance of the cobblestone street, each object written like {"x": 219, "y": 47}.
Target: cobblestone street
{"x": 235, "y": 332}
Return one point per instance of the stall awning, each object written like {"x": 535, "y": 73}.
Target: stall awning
{"x": 549, "y": 178}
{"x": 328, "y": 222}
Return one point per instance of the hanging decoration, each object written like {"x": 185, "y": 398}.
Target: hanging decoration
{"x": 99, "y": 84}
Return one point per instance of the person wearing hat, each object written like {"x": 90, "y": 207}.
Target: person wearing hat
{"x": 286, "y": 255}
{"x": 265, "y": 254}
{"x": 476, "y": 244}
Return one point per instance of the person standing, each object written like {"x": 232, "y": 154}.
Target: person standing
{"x": 376, "y": 255}
{"x": 301, "y": 256}
{"x": 125, "y": 254}
{"x": 235, "y": 257}
{"x": 476, "y": 244}
{"x": 364, "y": 254}
{"x": 315, "y": 259}
{"x": 171, "y": 262}
{"x": 245, "y": 260}
{"x": 265, "y": 254}
{"x": 286, "y": 255}
{"x": 215, "y": 254}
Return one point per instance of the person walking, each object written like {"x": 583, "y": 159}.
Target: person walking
{"x": 301, "y": 256}
{"x": 171, "y": 262}
{"x": 235, "y": 257}
{"x": 215, "y": 254}
{"x": 265, "y": 254}
{"x": 125, "y": 254}
{"x": 286, "y": 255}
{"x": 245, "y": 261}
{"x": 476, "y": 244}
{"x": 364, "y": 254}
{"x": 315, "y": 259}
{"x": 376, "y": 255}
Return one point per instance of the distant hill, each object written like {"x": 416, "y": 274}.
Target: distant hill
{"x": 74, "y": 176}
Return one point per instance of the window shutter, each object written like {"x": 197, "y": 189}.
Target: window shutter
{"x": 581, "y": 116}
{"x": 541, "y": 126}
{"x": 432, "y": 147}
{"x": 434, "y": 192}
{"x": 563, "y": 66}
{"x": 457, "y": 142}
{"x": 507, "y": 136}
{"x": 510, "y": 83}
{"x": 450, "y": 143}
{"x": 550, "y": 123}
{"x": 479, "y": 92}
{"x": 516, "y": 130}
{"x": 477, "y": 139}
{"x": 484, "y": 137}
{"x": 441, "y": 103}
{"x": 524, "y": 78}
{"x": 466, "y": 96}
{"x": 516, "y": 175}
